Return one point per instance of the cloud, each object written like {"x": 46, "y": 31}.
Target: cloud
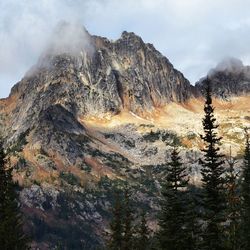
{"x": 195, "y": 35}
{"x": 69, "y": 37}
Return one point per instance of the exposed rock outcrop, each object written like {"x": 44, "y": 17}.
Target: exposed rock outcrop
{"x": 104, "y": 77}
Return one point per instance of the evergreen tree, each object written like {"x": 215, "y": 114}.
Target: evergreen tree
{"x": 127, "y": 222}
{"x": 143, "y": 234}
{"x": 212, "y": 179}
{"x": 172, "y": 218}
{"x": 192, "y": 224}
{"x": 233, "y": 206}
{"x": 116, "y": 225}
{"x": 122, "y": 230}
{"x": 11, "y": 226}
{"x": 246, "y": 196}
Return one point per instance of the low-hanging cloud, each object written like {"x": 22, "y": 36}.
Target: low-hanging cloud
{"x": 195, "y": 35}
{"x": 70, "y": 38}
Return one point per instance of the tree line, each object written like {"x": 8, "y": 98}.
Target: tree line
{"x": 215, "y": 218}
{"x": 12, "y": 236}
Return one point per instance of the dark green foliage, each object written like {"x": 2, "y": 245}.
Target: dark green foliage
{"x": 143, "y": 242}
{"x": 20, "y": 143}
{"x": 105, "y": 183}
{"x": 65, "y": 227}
{"x": 11, "y": 226}
{"x": 246, "y": 196}
{"x": 85, "y": 167}
{"x": 192, "y": 224}
{"x": 127, "y": 222}
{"x": 152, "y": 136}
{"x": 116, "y": 226}
{"x": 169, "y": 137}
{"x": 212, "y": 180}
{"x": 122, "y": 225}
{"x": 233, "y": 207}
{"x": 172, "y": 233}
{"x": 70, "y": 178}
{"x": 70, "y": 236}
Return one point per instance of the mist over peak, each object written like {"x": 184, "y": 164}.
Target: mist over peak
{"x": 69, "y": 38}
{"x": 228, "y": 65}
{"x": 229, "y": 78}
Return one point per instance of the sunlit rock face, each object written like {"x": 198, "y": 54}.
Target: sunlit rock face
{"x": 92, "y": 76}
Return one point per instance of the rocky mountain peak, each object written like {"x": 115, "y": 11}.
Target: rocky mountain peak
{"x": 92, "y": 76}
{"x": 229, "y": 78}
{"x": 131, "y": 38}
{"x": 126, "y": 35}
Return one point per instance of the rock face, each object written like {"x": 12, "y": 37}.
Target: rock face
{"x": 229, "y": 78}
{"x": 125, "y": 74}
{"x": 101, "y": 77}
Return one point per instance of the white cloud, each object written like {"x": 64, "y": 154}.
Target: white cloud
{"x": 195, "y": 35}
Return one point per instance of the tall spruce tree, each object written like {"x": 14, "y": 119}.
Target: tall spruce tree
{"x": 122, "y": 230}
{"x": 128, "y": 239}
{"x": 245, "y": 192}
{"x": 212, "y": 179}
{"x": 172, "y": 233}
{"x": 11, "y": 226}
{"x": 143, "y": 234}
{"x": 116, "y": 225}
{"x": 192, "y": 223}
{"x": 233, "y": 206}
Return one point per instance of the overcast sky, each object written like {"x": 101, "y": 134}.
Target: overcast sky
{"x": 193, "y": 34}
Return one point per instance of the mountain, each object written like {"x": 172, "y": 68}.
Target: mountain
{"x": 229, "y": 78}
{"x": 94, "y": 113}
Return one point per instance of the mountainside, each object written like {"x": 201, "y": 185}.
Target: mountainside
{"x": 93, "y": 113}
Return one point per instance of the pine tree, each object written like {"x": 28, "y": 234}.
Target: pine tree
{"x": 245, "y": 192}
{"x": 127, "y": 222}
{"x": 172, "y": 218}
{"x": 233, "y": 206}
{"x": 11, "y": 226}
{"x": 116, "y": 225}
{"x": 143, "y": 234}
{"x": 122, "y": 229}
{"x": 192, "y": 224}
{"x": 212, "y": 179}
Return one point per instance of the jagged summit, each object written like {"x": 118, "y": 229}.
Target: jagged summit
{"x": 125, "y": 74}
{"x": 229, "y": 78}
{"x": 95, "y": 77}
{"x": 125, "y": 35}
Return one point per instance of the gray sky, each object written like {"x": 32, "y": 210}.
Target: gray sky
{"x": 193, "y": 34}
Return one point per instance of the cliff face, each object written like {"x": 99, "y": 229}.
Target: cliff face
{"x": 126, "y": 74}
